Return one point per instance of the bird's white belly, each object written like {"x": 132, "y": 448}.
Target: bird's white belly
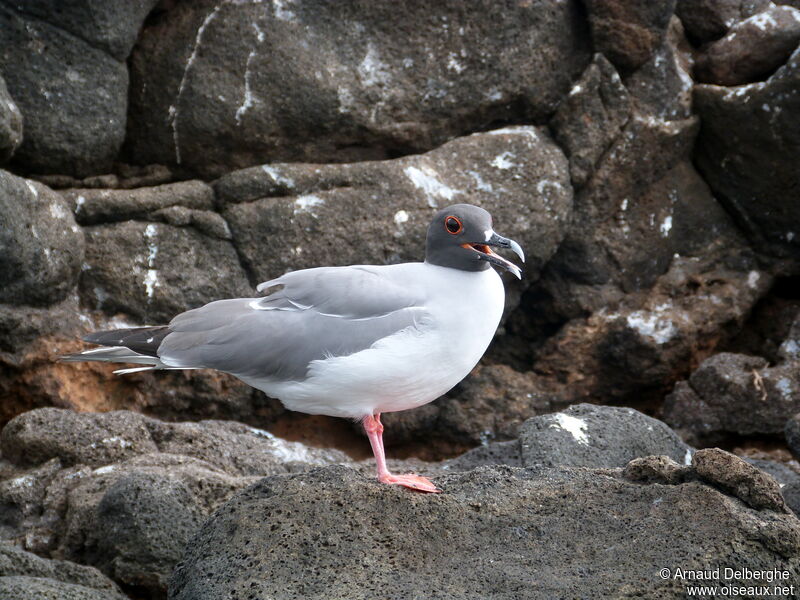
{"x": 410, "y": 368}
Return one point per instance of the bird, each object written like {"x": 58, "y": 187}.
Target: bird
{"x": 348, "y": 341}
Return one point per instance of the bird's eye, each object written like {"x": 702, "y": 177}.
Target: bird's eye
{"x": 453, "y": 225}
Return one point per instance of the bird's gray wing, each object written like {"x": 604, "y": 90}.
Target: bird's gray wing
{"x": 318, "y": 313}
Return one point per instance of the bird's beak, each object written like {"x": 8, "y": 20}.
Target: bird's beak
{"x": 498, "y": 241}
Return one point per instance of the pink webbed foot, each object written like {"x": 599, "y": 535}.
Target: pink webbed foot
{"x": 374, "y": 429}
{"x": 413, "y": 482}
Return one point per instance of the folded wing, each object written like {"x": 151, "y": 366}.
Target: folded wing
{"x": 318, "y": 313}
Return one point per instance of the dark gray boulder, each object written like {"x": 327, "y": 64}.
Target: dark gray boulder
{"x": 152, "y": 271}
{"x": 593, "y": 436}
{"x": 706, "y": 20}
{"x": 734, "y": 393}
{"x": 123, "y": 492}
{"x": 382, "y": 209}
{"x": 591, "y": 117}
{"x": 92, "y": 439}
{"x": 627, "y": 32}
{"x": 219, "y": 86}
{"x": 100, "y": 439}
{"x": 137, "y": 530}
{"x": 497, "y": 531}
{"x": 752, "y": 49}
{"x": 634, "y": 339}
{"x": 41, "y": 247}
{"x": 662, "y": 86}
{"x": 745, "y": 152}
{"x": 72, "y": 95}
{"x": 18, "y": 587}
{"x": 25, "y": 576}
{"x": 111, "y": 25}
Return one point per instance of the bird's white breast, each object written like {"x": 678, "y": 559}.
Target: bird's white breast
{"x": 414, "y": 366}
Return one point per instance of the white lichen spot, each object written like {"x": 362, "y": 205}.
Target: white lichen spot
{"x": 100, "y": 295}
{"x": 400, "y": 217}
{"x": 346, "y": 100}
{"x": 57, "y": 211}
{"x": 791, "y": 349}
{"x": 494, "y": 95}
{"x": 574, "y": 425}
{"x": 372, "y": 70}
{"x": 453, "y": 63}
{"x": 24, "y": 481}
{"x": 545, "y": 183}
{"x": 784, "y": 386}
{"x": 653, "y": 325}
{"x": 518, "y": 130}
{"x": 151, "y": 275}
{"x": 503, "y": 161}
{"x": 666, "y": 226}
{"x": 282, "y": 10}
{"x": 752, "y": 279}
{"x": 277, "y": 177}
{"x": 479, "y": 182}
{"x": 112, "y": 441}
{"x": 103, "y": 470}
{"x": 151, "y": 282}
{"x": 259, "y": 32}
{"x": 426, "y": 180}
{"x": 306, "y": 203}
{"x": 763, "y": 21}
{"x": 286, "y": 451}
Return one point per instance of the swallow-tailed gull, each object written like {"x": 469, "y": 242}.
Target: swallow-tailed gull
{"x": 352, "y": 341}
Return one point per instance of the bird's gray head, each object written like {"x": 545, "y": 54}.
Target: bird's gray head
{"x": 460, "y": 237}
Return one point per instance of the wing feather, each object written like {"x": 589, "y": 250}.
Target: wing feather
{"x": 317, "y": 314}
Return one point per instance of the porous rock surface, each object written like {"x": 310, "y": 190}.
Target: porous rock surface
{"x": 502, "y": 531}
{"x": 123, "y": 492}
{"x": 25, "y": 576}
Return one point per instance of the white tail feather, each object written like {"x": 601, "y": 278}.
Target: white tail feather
{"x": 119, "y": 354}
{"x": 133, "y": 370}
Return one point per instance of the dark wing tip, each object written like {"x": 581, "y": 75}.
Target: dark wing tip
{"x": 144, "y": 340}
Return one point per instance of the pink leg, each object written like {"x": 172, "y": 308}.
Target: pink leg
{"x": 374, "y": 429}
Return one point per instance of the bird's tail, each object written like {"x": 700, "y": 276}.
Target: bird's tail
{"x": 138, "y": 345}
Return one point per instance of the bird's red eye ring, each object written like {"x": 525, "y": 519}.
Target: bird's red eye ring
{"x": 453, "y": 225}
